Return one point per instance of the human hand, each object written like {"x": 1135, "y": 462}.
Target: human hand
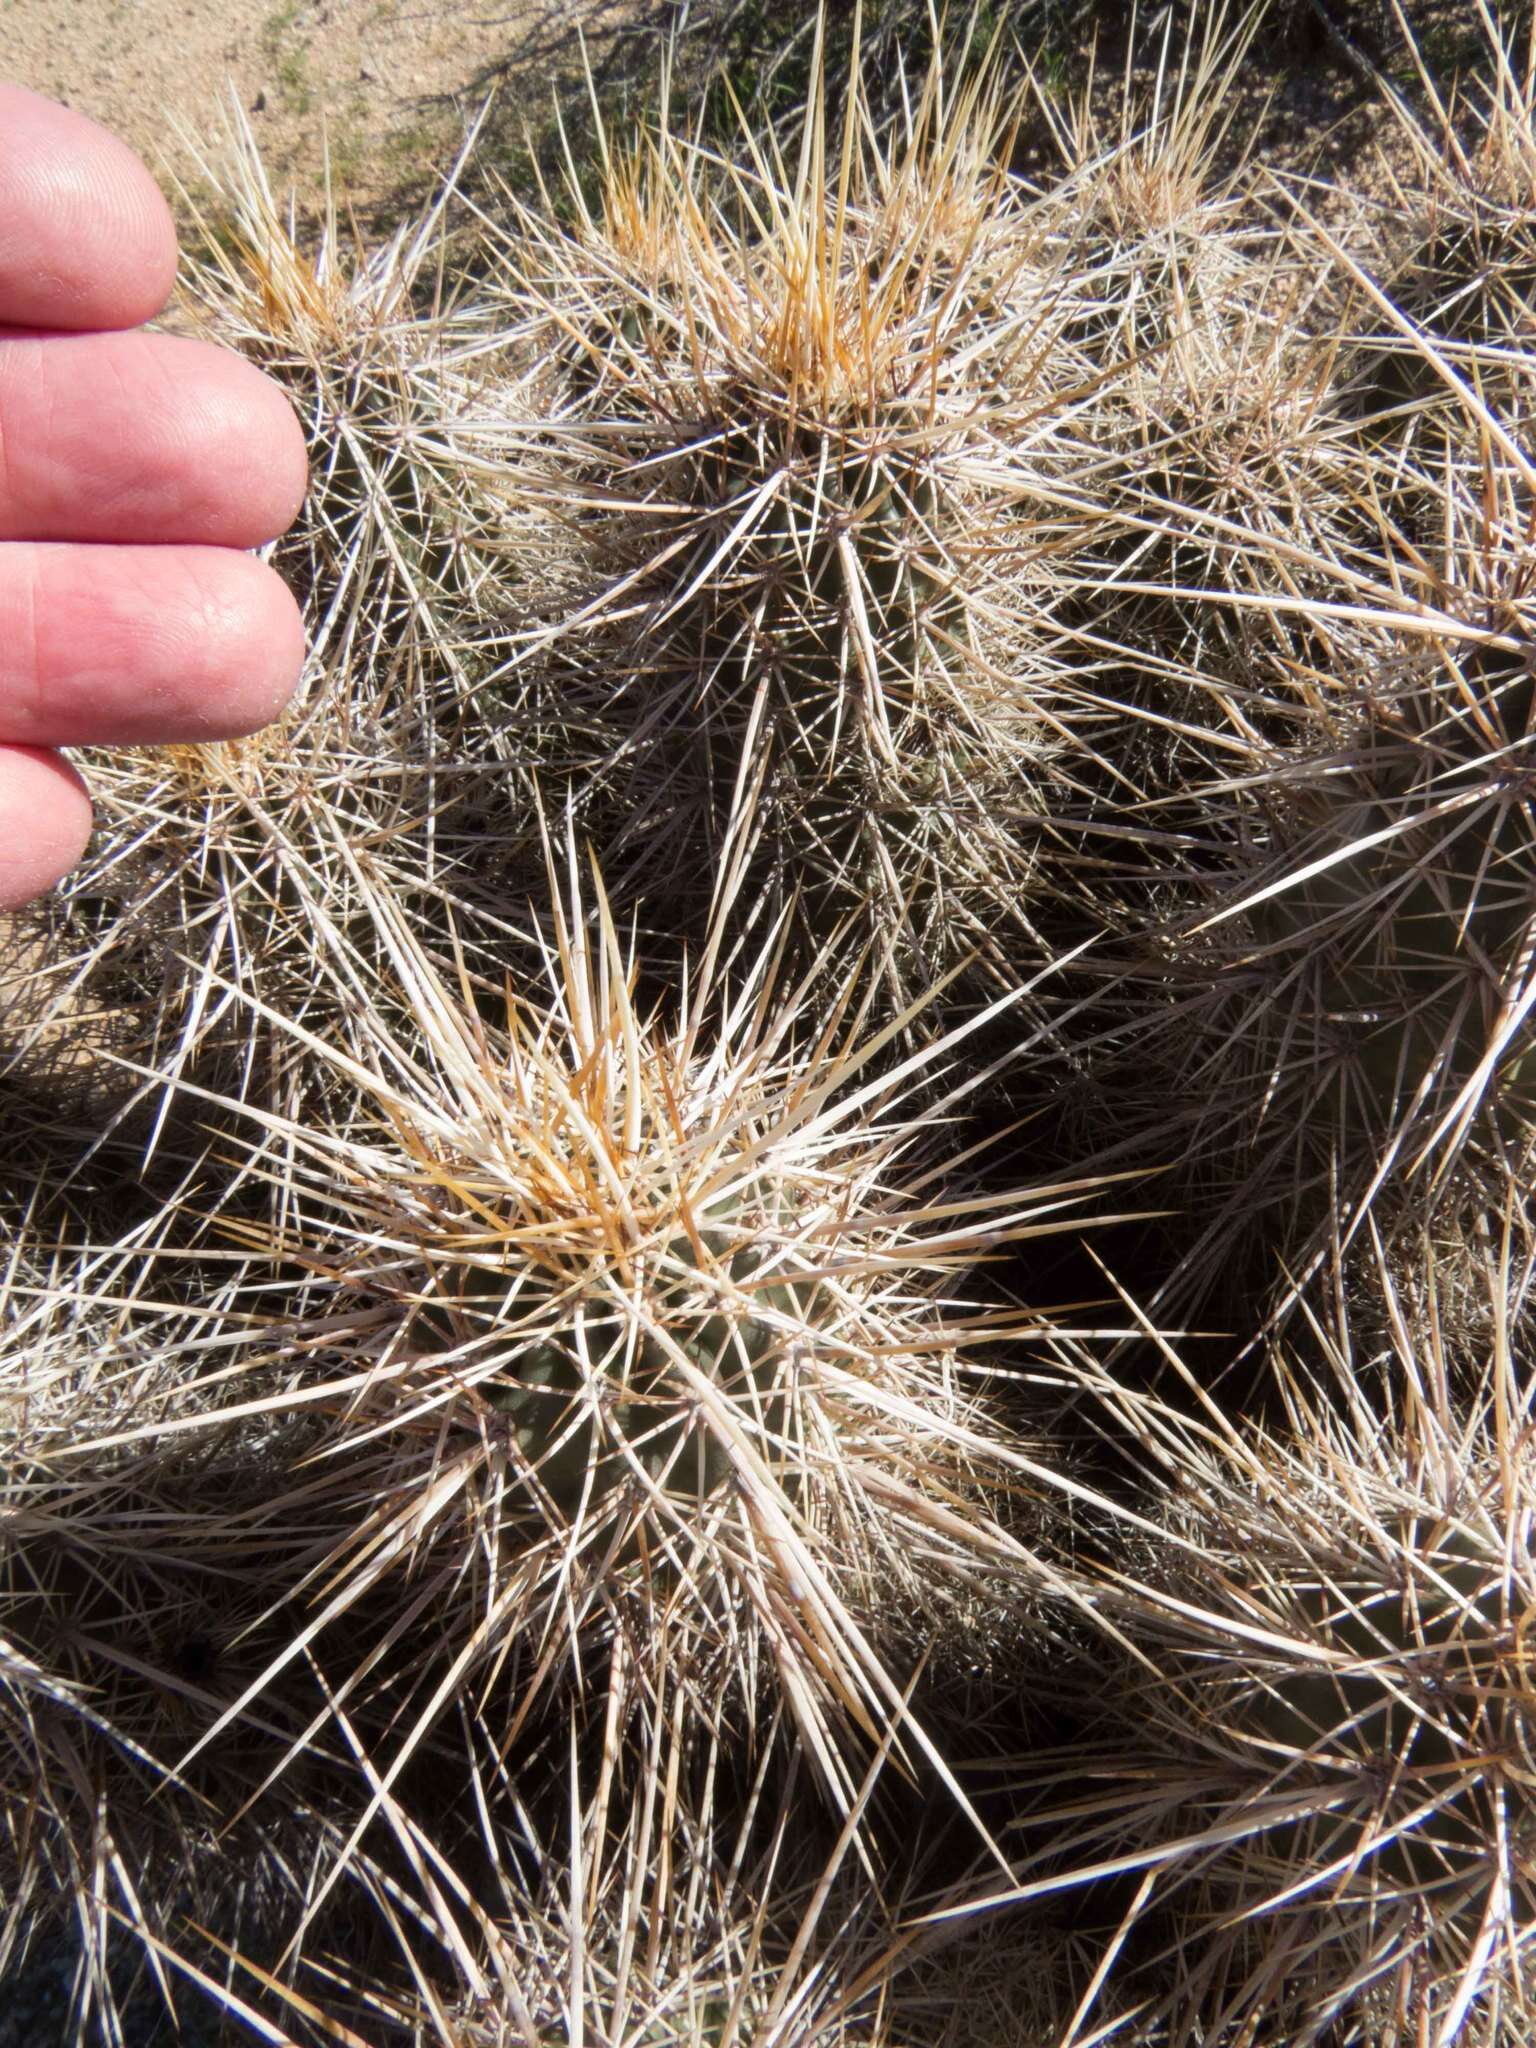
{"x": 134, "y": 470}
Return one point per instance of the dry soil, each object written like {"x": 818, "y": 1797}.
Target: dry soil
{"x": 385, "y": 85}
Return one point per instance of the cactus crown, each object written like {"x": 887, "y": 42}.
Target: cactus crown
{"x": 655, "y": 1313}
{"x": 809, "y": 426}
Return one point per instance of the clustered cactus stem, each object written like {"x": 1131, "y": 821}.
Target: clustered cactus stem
{"x": 1323, "y": 1762}
{"x": 587, "y": 1450}
{"x": 815, "y": 430}
{"x": 647, "y": 1328}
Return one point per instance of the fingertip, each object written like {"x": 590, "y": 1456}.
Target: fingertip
{"x": 86, "y": 237}
{"x": 277, "y": 628}
{"x": 241, "y": 651}
{"x": 142, "y": 646}
{"x": 144, "y": 438}
{"x": 263, "y": 450}
{"x": 221, "y": 657}
{"x": 45, "y": 822}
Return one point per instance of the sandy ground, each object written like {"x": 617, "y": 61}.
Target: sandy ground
{"x": 388, "y": 85}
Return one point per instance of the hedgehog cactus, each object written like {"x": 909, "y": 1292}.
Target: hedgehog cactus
{"x": 1366, "y": 988}
{"x": 1415, "y": 920}
{"x": 131, "y": 1586}
{"x": 771, "y": 1942}
{"x": 645, "y": 1318}
{"x": 1320, "y": 984}
{"x": 1155, "y": 235}
{"x": 223, "y": 870}
{"x": 1460, "y": 255}
{"x": 719, "y": 1315}
{"x": 1385, "y": 1718}
{"x": 388, "y": 553}
{"x": 812, "y": 431}
{"x": 1320, "y": 1761}
{"x": 1412, "y": 1673}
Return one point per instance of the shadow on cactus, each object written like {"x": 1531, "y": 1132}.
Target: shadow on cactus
{"x": 179, "y": 1792}
{"x": 133, "y": 1583}
{"x": 1321, "y": 990}
{"x": 1365, "y": 994}
{"x": 814, "y": 435}
{"x": 781, "y": 1938}
{"x": 1320, "y": 1768}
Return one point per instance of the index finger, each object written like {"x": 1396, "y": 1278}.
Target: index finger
{"x": 86, "y": 238}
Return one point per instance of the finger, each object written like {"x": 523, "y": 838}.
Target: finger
{"x": 129, "y": 645}
{"x": 143, "y": 437}
{"x": 45, "y": 820}
{"x": 86, "y": 239}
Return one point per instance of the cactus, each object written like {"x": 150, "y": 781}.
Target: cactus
{"x": 810, "y": 431}
{"x": 778, "y": 1925}
{"x": 1317, "y": 987}
{"x": 389, "y": 553}
{"x": 1142, "y": 214}
{"x": 654, "y": 1292}
{"x": 1321, "y": 1756}
{"x": 1459, "y": 266}
{"x": 131, "y": 1590}
{"x": 1355, "y": 1003}
{"x": 1066, "y": 647}
{"x": 226, "y": 868}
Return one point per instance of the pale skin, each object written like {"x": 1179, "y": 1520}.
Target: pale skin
{"x": 136, "y": 469}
